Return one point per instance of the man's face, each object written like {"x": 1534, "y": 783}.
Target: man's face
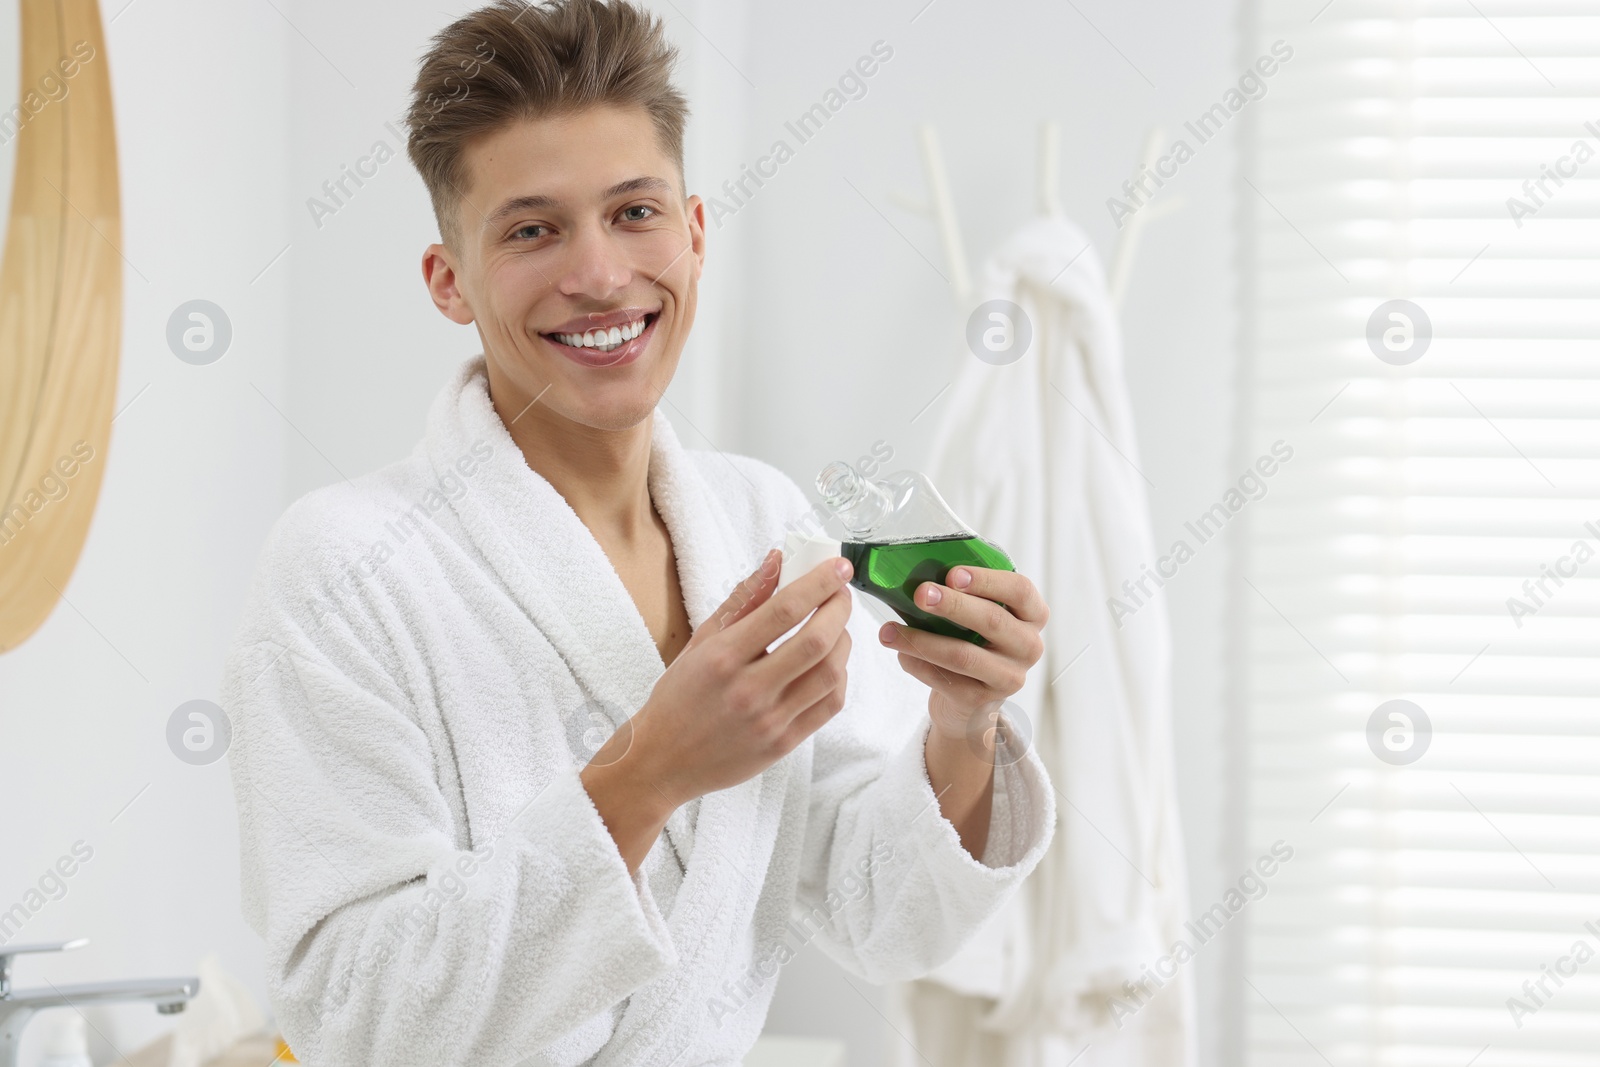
{"x": 574, "y": 232}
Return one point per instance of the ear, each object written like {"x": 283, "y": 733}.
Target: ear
{"x": 443, "y": 279}
{"x": 695, "y": 208}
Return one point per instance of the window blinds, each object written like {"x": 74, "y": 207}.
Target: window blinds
{"x": 1435, "y": 540}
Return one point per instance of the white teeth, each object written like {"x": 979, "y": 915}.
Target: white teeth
{"x": 603, "y": 340}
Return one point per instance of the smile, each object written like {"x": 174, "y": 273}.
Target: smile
{"x": 606, "y": 346}
{"x": 604, "y": 340}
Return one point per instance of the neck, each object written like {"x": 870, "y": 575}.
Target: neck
{"x": 602, "y": 474}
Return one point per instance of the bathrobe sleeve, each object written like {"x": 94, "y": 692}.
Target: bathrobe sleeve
{"x": 885, "y": 886}
{"x": 885, "y": 882}
{"x": 388, "y": 941}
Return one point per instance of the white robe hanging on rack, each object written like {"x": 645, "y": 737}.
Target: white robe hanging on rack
{"x": 1040, "y": 456}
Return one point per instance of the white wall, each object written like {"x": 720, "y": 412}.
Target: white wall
{"x": 821, "y": 328}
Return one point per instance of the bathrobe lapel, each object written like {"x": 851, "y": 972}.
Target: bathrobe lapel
{"x": 551, "y": 564}
{"x": 559, "y": 575}
{"x": 733, "y": 831}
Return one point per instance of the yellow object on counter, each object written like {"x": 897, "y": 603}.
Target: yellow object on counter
{"x": 249, "y": 1051}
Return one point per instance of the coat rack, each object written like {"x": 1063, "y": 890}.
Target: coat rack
{"x": 1128, "y": 236}
{"x": 941, "y": 207}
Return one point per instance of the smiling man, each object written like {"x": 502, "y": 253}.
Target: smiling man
{"x": 515, "y": 784}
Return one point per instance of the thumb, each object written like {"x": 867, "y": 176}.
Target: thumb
{"x": 748, "y": 594}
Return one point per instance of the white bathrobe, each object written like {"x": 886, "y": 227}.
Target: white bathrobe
{"x": 429, "y": 656}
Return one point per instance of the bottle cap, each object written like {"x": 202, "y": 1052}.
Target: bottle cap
{"x": 802, "y": 552}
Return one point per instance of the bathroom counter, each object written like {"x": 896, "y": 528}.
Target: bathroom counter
{"x": 255, "y": 1051}
{"x": 258, "y": 1051}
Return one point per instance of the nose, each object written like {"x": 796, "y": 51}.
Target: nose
{"x": 595, "y": 266}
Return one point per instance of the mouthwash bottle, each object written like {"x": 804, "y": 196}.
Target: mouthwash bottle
{"x": 902, "y": 534}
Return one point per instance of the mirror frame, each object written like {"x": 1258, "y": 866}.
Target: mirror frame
{"x": 60, "y": 308}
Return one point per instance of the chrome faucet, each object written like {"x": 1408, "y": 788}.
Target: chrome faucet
{"x": 17, "y": 1006}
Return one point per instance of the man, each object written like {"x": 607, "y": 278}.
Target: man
{"x": 516, "y": 784}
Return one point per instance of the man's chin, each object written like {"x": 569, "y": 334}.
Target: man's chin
{"x": 609, "y": 413}
{"x": 618, "y": 419}
{"x": 616, "y": 400}
{"x": 585, "y": 398}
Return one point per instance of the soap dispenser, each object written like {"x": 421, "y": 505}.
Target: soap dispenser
{"x": 902, "y": 533}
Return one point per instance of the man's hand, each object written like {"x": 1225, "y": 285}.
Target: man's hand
{"x": 726, "y": 709}
{"x": 1006, "y": 610}
{"x": 969, "y": 683}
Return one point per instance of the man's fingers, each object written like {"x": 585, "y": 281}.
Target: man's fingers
{"x": 787, "y": 608}
{"x": 1009, "y": 588}
{"x": 824, "y": 676}
{"x": 992, "y": 621}
{"x": 748, "y": 594}
{"x": 954, "y": 655}
{"x": 956, "y": 687}
{"x": 807, "y": 647}
{"x": 810, "y": 721}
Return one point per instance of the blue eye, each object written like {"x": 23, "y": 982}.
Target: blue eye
{"x": 523, "y": 230}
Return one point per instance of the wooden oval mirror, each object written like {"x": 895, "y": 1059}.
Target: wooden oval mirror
{"x": 60, "y": 298}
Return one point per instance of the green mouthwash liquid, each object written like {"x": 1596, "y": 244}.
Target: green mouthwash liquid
{"x": 892, "y": 571}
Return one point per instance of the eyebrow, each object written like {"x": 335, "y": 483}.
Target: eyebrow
{"x": 544, "y": 203}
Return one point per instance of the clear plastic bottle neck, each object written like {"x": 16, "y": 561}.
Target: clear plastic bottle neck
{"x": 860, "y": 503}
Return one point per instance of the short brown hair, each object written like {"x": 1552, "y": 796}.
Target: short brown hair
{"x": 511, "y": 61}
